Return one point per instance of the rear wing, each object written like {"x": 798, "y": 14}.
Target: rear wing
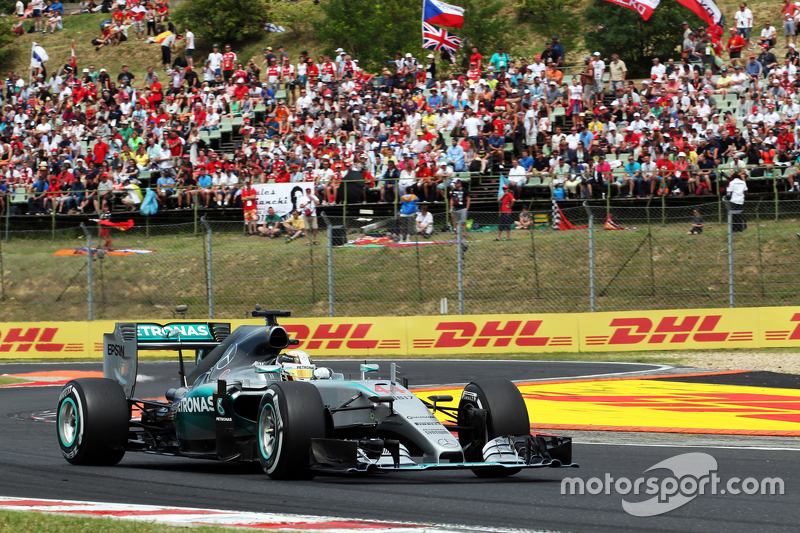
{"x": 121, "y": 348}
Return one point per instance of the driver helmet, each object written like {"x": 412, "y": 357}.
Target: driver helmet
{"x": 296, "y": 365}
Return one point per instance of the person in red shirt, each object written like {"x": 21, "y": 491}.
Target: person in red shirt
{"x": 665, "y": 171}
{"x": 474, "y": 73}
{"x": 229, "y": 60}
{"x": 788, "y": 12}
{"x": 476, "y": 57}
{"x": 240, "y": 90}
{"x": 506, "y": 218}
{"x": 785, "y": 139}
{"x": 118, "y": 16}
{"x": 735, "y": 45}
{"x": 250, "y": 205}
{"x": 312, "y": 71}
{"x": 100, "y": 152}
{"x": 282, "y": 175}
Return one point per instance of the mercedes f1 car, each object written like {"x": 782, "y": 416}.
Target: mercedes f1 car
{"x": 249, "y": 399}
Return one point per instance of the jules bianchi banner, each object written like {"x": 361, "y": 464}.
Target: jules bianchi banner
{"x": 644, "y": 7}
{"x": 282, "y": 197}
{"x": 764, "y": 327}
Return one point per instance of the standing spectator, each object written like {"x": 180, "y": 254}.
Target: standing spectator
{"x": 189, "y": 37}
{"x": 559, "y": 48}
{"x": 768, "y": 35}
{"x": 391, "y": 179}
{"x": 517, "y": 176}
{"x": 250, "y": 206}
{"x": 308, "y": 206}
{"x": 735, "y": 46}
{"x": 37, "y": 6}
{"x": 599, "y": 69}
{"x": 138, "y": 12}
{"x": 500, "y": 59}
{"x": 744, "y": 22}
{"x": 229, "y": 60}
{"x": 166, "y": 50}
{"x": 618, "y": 72}
{"x": 788, "y": 13}
{"x": 736, "y": 189}
{"x": 408, "y": 215}
{"x": 215, "y": 60}
{"x": 506, "y": 203}
{"x": 459, "y": 206}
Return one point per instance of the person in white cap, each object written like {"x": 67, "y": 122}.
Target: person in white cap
{"x": 599, "y": 69}
{"x": 430, "y": 72}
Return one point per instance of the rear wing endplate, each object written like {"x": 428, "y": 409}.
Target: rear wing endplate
{"x": 121, "y": 348}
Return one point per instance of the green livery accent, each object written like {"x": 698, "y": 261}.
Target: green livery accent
{"x": 190, "y": 331}
{"x": 77, "y": 423}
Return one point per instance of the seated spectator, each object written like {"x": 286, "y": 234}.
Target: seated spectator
{"x": 424, "y": 221}
{"x": 293, "y": 226}
{"x": 524, "y": 220}
{"x": 271, "y": 227}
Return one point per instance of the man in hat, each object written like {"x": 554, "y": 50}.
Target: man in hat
{"x": 307, "y": 205}
{"x": 506, "y": 202}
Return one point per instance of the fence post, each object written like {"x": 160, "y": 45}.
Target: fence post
{"x": 459, "y": 232}
{"x": 731, "y": 286}
{"x": 8, "y": 214}
{"x": 194, "y": 211}
{"x": 2, "y": 277}
{"x": 532, "y": 229}
{"x": 592, "y": 298}
{"x": 89, "y": 253}
{"x": 760, "y": 256}
{"x": 650, "y": 242}
{"x": 209, "y": 269}
{"x": 329, "y": 231}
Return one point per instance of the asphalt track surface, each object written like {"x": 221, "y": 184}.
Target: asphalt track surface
{"x": 31, "y": 466}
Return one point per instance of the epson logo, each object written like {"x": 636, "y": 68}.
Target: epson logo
{"x": 117, "y": 350}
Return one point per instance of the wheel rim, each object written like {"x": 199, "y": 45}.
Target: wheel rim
{"x": 67, "y": 422}
{"x": 267, "y": 432}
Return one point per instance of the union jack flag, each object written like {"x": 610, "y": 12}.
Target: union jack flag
{"x": 435, "y": 38}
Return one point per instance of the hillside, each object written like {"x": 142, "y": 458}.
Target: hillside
{"x": 138, "y": 55}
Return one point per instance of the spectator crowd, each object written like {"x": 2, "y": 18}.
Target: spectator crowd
{"x": 74, "y": 141}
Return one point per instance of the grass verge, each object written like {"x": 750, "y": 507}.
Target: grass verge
{"x": 34, "y": 522}
{"x": 5, "y": 380}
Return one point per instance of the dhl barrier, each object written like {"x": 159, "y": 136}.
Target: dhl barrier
{"x": 760, "y": 327}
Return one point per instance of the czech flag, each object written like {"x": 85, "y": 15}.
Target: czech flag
{"x": 436, "y": 12}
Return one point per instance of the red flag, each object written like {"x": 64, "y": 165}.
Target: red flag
{"x": 706, "y": 10}
{"x": 72, "y": 62}
{"x": 643, "y": 7}
{"x": 119, "y": 225}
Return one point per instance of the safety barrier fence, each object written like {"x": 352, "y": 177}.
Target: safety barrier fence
{"x": 640, "y": 258}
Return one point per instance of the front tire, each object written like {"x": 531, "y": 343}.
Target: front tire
{"x": 92, "y": 422}
{"x": 290, "y": 415}
{"x": 506, "y": 414}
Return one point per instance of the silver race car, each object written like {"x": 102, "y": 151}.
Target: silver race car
{"x": 251, "y": 397}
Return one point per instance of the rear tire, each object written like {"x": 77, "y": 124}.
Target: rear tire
{"x": 506, "y": 414}
{"x": 290, "y": 415}
{"x": 92, "y": 422}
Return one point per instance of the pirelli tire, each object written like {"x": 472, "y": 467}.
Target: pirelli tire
{"x": 506, "y": 414}
{"x": 290, "y": 414}
{"x": 92, "y": 422}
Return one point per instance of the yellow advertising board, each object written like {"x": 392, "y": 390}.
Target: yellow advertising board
{"x": 764, "y": 327}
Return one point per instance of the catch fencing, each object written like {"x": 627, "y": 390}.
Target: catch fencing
{"x": 215, "y": 270}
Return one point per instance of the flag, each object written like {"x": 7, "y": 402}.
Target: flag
{"x": 503, "y": 181}
{"x": 72, "y": 62}
{"x": 644, "y": 7}
{"x": 119, "y": 225}
{"x": 161, "y": 36}
{"x": 435, "y": 38}
{"x": 610, "y": 224}
{"x": 706, "y": 10}
{"x": 437, "y": 12}
{"x": 38, "y": 56}
{"x": 560, "y": 221}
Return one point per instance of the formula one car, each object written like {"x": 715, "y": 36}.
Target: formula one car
{"x": 247, "y": 399}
